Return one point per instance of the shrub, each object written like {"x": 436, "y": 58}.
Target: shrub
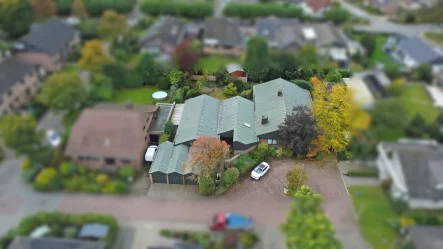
{"x": 110, "y": 187}
{"x": 248, "y": 240}
{"x": 249, "y": 11}
{"x": 244, "y": 164}
{"x": 230, "y": 90}
{"x": 126, "y": 171}
{"x": 303, "y": 84}
{"x": 320, "y": 156}
{"x": 26, "y": 164}
{"x": 423, "y": 217}
{"x": 93, "y": 188}
{"x": 296, "y": 178}
{"x": 305, "y": 190}
{"x": 406, "y": 222}
{"x": 89, "y": 29}
{"x": 63, "y": 7}
{"x": 163, "y": 83}
{"x": 121, "y": 187}
{"x": 67, "y": 169}
{"x": 247, "y": 94}
{"x": 287, "y": 152}
{"x": 392, "y": 71}
{"x": 231, "y": 176}
{"x": 166, "y": 233}
{"x": 363, "y": 172}
{"x": 74, "y": 184}
{"x": 174, "y": 8}
{"x": 386, "y": 184}
{"x": 97, "y": 7}
{"x": 121, "y": 55}
{"x": 261, "y": 153}
{"x": 206, "y": 186}
{"x": 102, "y": 179}
{"x": 396, "y": 88}
{"x": 70, "y": 232}
{"x": 163, "y": 138}
{"x": 345, "y": 155}
{"x": 168, "y": 127}
{"x": 193, "y": 93}
{"x": 178, "y": 97}
{"x": 345, "y": 73}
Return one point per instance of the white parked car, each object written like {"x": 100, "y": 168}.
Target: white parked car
{"x": 150, "y": 153}
{"x": 53, "y": 138}
{"x": 260, "y": 170}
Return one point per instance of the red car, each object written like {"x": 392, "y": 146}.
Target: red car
{"x": 230, "y": 221}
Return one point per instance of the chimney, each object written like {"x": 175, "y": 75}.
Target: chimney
{"x": 264, "y": 119}
{"x": 280, "y": 92}
{"x": 129, "y": 105}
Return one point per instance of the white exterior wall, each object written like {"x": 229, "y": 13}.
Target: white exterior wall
{"x": 426, "y": 204}
{"x": 437, "y": 69}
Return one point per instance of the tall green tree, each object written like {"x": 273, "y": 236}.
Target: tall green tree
{"x": 19, "y": 133}
{"x": 337, "y": 15}
{"x": 309, "y": 57}
{"x": 15, "y": 17}
{"x": 63, "y": 91}
{"x": 112, "y": 24}
{"x": 308, "y": 227}
{"x": 257, "y": 60}
{"x": 43, "y": 8}
{"x": 416, "y": 127}
{"x": 368, "y": 41}
{"x": 333, "y": 76}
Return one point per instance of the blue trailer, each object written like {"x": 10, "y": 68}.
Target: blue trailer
{"x": 231, "y": 222}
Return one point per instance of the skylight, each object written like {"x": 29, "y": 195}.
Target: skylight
{"x": 247, "y": 125}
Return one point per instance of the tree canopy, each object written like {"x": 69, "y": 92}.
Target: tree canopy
{"x": 298, "y": 130}
{"x": 78, "y": 9}
{"x": 94, "y": 56}
{"x": 19, "y": 133}
{"x": 186, "y": 55}
{"x": 43, "y": 8}
{"x": 112, "y": 24}
{"x": 333, "y": 76}
{"x": 337, "y": 15}
{"x": 308, "y": 227}
{"x": 308, "y": 56}
{"x": 63, "y": 91}
{"x": 206, "y": 155}
{"x": 15, "y": 17}
{"x": 257, "y": 56}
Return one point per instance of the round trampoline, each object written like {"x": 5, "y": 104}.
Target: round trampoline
{"x": 160, "y": 95}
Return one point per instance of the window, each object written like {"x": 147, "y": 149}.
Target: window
{"x": 16, "y": 99}
{"x": 272, "y": 141}
{"x": 125, "y": 161}
{"x": 80, "y": 158}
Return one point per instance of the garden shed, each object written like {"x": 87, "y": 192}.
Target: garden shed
{"x": 168, "y": 166}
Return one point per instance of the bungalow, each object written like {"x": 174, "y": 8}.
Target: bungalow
{"x": 360, "y": 91}
{"x": 48, "y": 44}
{"x": 222, "y": 36}
{"x": 425, "y": 237}
{"x": 108, "y": 136}
{"x": 19, "y": 81}
{"x": 416, "y": 170}
{"x": 314, "y": 8}
{"x": 413, "y": 52}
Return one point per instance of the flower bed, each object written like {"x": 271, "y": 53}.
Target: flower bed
{"x": 76, "y": 178}
{"x": 61, "y": 226}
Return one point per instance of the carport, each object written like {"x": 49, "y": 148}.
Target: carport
{"x": 168, "y": 166}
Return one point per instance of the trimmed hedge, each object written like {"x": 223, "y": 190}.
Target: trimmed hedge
{"x": 97, "y": 7}
{"x": 89, "y": 29}
{"x": 64, "y": 7}
{"x": 303, "y": 84}
{"x": 261, "y": 10}
{"x": 363, "y": 172}
{"x": 58, "y": 223}
{"x": 184, "y": 9}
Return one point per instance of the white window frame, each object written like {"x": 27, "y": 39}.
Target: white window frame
{"x": 272, "y": 141}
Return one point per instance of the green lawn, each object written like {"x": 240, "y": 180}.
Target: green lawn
{"x": 416, "y": 100}
{"x": 436, "y": 37}
{"x": 70, "y": 67}
{"x": 380, "y": 56}
{"x": 215, "y": 62}
{"x": 374, "y": 214}
{"x": 141, "y": 95}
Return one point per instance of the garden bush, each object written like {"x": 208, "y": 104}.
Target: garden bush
{"x": 386, "y": 184}
{"x": 163, "y": 138}
{"x": 126, "y": 171}
{"x": 248, "y": 11}
{"x": 320, "y": 156}
{"x": 97, "y": 7}
{"x": 345, "y": 73}
{"x": 64, "y": 7}
{"x": 296, "y": 178}
{"x": 26, "y": 164}
{"x": 345, "y": 155}
{"x": 423, "y": 217}
{"x": 163, "y": 83}
{"x": 248, "y": 240}
{"x": 247, "y": 94}
{"x": 178, "y": 97}
{"x": 231, "y": 176}
{"x": 93, "y": 188}
{"x": 48, "y": 180}
{"x": 230, "y": 90}
{"x": 168, "y": 127}
{"x": 177, "y": 8}
{"x": 121, "y": 187}
{"x": 206, "y": 186}
{"x": 303, "y": 84}
{"x": 67, "y": 169}
{"x": 244, "y": 164}
{"x": 102, "y": 179}
{"x": 121, "y": 55}
{"x": 75, "y": 184}
{"x": 89, "y": 29}
{"x": 363, "y": 172}
{"x": 193, "y": 93}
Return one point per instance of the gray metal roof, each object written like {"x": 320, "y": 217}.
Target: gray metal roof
{"x": 267, "y": 102}
{"x": 162, "y": 158}
{"x": 46, "y": 243}
{"x": 167, "y": 29}
{"x": 170, "y": 158}
{"x": 199, "y": 119}
{"x": 163, "y": 115}
{"x": 426, "y": 237}
{"x": 11, "y": 71}
{"x": 235, "y": 115}
{"x": 94, "y": 230}
{"x": 419, "y": 50}
{"x": 226, "y": 31}
{"x": 179, "y": 155}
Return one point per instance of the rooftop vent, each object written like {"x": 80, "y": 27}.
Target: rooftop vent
{"x": 309, "y": 34}
{"x": 247, "y": 125}
{"x": 174, "y": 30}
{"x": 280, "y": 92}
{"x": 439, "y": 186}
{"x": 264, "y": 119}
{"x": 107, "y": 142}
{"x": 266, "y": 32}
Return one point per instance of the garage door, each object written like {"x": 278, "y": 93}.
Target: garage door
{"x": 158, "y": 177}
{"x": 175, "y": 178}
{"x": 189, "y": 181}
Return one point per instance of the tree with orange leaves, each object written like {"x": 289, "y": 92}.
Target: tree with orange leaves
{"x": 207, "y": 154}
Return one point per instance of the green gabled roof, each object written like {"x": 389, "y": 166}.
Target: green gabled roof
{"x": 199, "y": 118}
{"x": 178, "y": 158}
{"x": 161, "y": 161}
{"x": 235, "y": 115}
{"x": 268, "y": 103}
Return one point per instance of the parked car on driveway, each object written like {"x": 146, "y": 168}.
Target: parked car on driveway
{"x": 260, "y": 170}
{"x": 53, "y": 138}
{"x": 230, "y": 222}
{"x": 150, "y": 153}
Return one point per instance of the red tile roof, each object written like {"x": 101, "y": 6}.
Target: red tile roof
{"x": 317, "y": 5}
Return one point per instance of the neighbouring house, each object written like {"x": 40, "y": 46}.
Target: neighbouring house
{"x": 274, "y": 100}
{"x": 436, "y": 95}
{"x": 360, "y": 91}
{"x": 235, "y": 70}
{"x": 314, "y": 8}
{"x": 425, "y": 237}
{"x": 291, "y": 35}
{"x": 416, "y": 170}
{"x": 222, "y": 36}
{"x": 168, "y": 166}
{"x": 176, "y": 245}
{"x": 19, "y": 81}
{"x": 165, "y": 34}
{"x": 413, "y": 52}
{"x": 377, "y": 82}
{"x": 46, "y": 242}
{"x": 108, "y": 136}
{"x": 93, "y": 231}
{"x": 47, "y": 44}
{"x": 392, "y": 7}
